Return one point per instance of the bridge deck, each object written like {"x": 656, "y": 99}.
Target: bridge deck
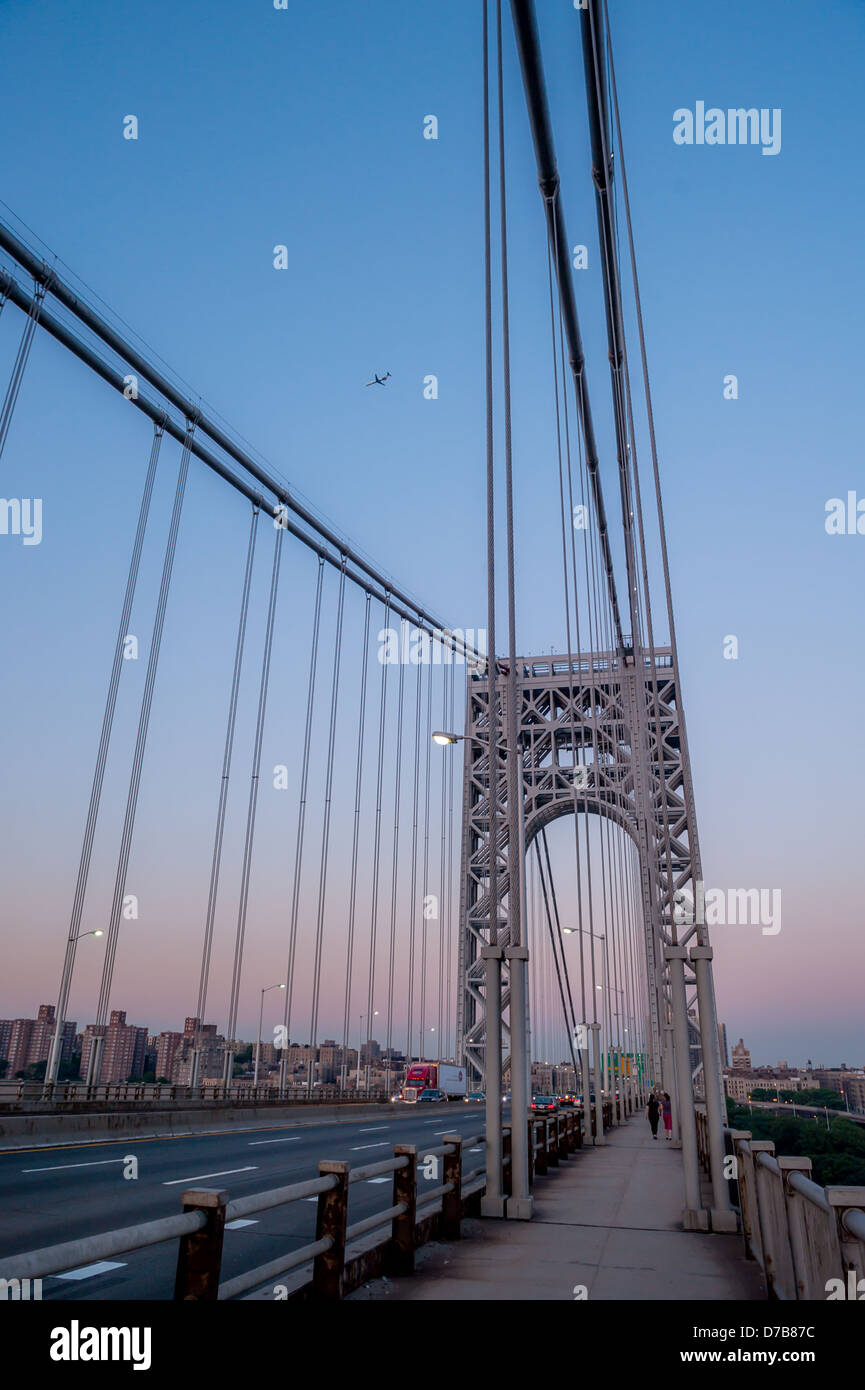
{"x": 609, "y": 1219}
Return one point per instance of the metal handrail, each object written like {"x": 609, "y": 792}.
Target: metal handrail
{"x": 277, "y": 1197}
{"x": 853, "y": 1221}
{"x": 811, "y": 1191}
{"x": 434, "y": 1195}
{"x": 765, "y": 1160}
{"x": 371, "y": 1223}
{"x": 375, "y": 1170}
{"x": 242, "y": 1283}
{"x": 53, "y": 1259}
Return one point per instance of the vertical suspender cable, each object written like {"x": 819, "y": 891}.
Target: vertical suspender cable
{"x": 352, "y": 892}
{"x": 451, "y": 1051}
{"x": 425, "y": 874}
{"x": 493, "y": 971}
{"x": 445, "y": 762}
{"x": 251, "y": 810}
{"x": 395, "y": 866}
{"x": 325, "y": 833}
{"x": 216, "y": 859}
{"x": 301, "y": 819}
{"x": 138, "y": 757}
{"x": 414, "y": 842}
{"x": 376, "y": 859}
{"x": 101, "y": 758}
{"x": 492, "y": 663}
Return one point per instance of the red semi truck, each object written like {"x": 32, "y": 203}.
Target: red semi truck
{"x": 434, "y": 1076}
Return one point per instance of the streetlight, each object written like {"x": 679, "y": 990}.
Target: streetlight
{"x": 265, "y": 991}
{"x": 53, "y": 1065}
{"x": 443, "y": 739}
{"x": 602, "y": 1082}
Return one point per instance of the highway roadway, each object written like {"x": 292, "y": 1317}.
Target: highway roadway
{"x": 48, "y": 1196}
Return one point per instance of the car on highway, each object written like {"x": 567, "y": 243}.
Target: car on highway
{"x": 430, "y": 1097}
{"x": 475, "y": 1095}
{"x": 547, "y": 1105}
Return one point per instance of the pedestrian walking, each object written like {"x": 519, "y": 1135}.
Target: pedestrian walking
{"x": 653, "y": 1110}
{"x": 667, "y": 1112}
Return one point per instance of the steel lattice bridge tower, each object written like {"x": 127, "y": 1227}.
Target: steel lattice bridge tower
{"x": 601, "y": 733}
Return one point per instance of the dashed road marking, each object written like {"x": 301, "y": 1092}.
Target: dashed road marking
{"x": 223, "y": 1173}
{"x": 295, "y": 1139}
{"x": 90, "y": 1271}
{"x": 101, "y": 1163}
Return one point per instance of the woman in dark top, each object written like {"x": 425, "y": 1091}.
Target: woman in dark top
{"x": 653, "y": 1110}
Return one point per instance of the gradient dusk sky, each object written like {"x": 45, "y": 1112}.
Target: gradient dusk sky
{"x": 303, "y": 127}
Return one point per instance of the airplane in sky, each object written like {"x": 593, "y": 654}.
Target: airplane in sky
{"x": 378, "y": 380}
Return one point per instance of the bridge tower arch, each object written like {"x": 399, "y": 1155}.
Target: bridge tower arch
{"x": 599, "y": 733}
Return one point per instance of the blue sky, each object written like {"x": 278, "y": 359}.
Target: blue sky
{"x": 304, "y": 128}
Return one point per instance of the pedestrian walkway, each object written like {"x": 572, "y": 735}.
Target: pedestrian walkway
{"x": 607, "y": 1225}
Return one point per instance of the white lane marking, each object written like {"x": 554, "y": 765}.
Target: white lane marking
{"x": 60, "y": 1166}
{"x": 295, "y": 1139}
{"x": 89, "y": 1271}
{"x": 239, "y": 1223}
{"x": 371, "y": 1129}
{"x": 371, "y": 1180}
{"x": 382, "y": 1144}
{"x": 223, "y": 1173}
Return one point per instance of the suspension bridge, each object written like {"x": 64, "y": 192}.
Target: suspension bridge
{"x": 414, "y": 893}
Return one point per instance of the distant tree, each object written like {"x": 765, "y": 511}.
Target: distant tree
{"x": 816, "y": 1096}
{"x": 837, "y": 1153}
{"x": 4, "y": 1065}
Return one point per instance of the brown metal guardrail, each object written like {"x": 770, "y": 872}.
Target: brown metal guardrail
{"x": 808, "y": 1240}
{"x": 343, "y": 1255}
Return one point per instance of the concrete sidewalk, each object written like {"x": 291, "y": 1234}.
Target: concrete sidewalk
{"x": 608, "y": 1219}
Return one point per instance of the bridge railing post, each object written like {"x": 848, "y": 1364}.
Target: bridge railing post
{"x": 452, "y": 1202}
{"x": 199, "y": 1255}
{"x": 852, "y": 1248}
{"x": 402, "y": 1244}
{"x": 541, "y": 1164}
{"x": 531, "y": 1129}
{"x": 748, "y": 1196}
{"x": 553, "y": 1143}
{"x": 331, "y": 1222}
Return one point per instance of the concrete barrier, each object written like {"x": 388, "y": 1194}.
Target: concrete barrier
{"x": 59, "y": 1130}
